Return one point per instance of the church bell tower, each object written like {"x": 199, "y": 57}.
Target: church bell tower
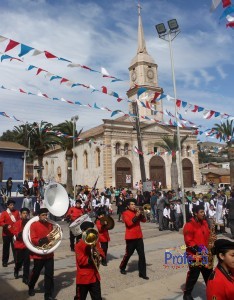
{"x": 143, "y": 73}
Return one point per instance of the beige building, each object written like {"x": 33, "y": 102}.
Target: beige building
{"x": 110, "y": 152}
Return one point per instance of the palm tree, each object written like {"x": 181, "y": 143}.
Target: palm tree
{"x": 225, "y": 131}
{"x": 68, "y": 144}
{"x": 170, "y": 144}
{"x": 41, "y": 140}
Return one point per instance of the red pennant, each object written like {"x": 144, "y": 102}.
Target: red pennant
{"x": 63, "y": 80}
{"x": 39, "y": 70}
{"x": 195, "y": 108}
{"x": 147, "y": 104}
{"x": 104, "y": 89}
{"x": 226, "y": 3}
{"x": 119, "y": 99}
{"x": 178, "y": 103}
{"x": 230, "y": 24}
{"x": 49, "y": 55}
{"x": 45, "y": 95}
{"x": 21, "y": 91}
{"x": 12, "y": 44}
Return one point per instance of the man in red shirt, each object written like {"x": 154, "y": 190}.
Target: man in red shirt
{"x": 103, "y": 236}
{"x": 196, "y": 235}
{"x": 74, "y": 213}
{"x": 7, "y": 219}
{"x": 134, "y": 238}
{"x": 40, "y": 232}
{"x": 21, "y": 251}
{"x": 87, "y": 275}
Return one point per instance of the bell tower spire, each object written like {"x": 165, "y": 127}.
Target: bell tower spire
{"x": 143, "y": 73}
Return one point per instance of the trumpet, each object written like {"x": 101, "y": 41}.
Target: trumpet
{"x": 90, "y": 237}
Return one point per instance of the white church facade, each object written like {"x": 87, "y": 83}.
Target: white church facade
{"x": 110, "y": 155}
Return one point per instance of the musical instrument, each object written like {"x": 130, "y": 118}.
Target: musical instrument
{"x": 108, "y": 222}
{"x": 56, "y": 201}
{"x": 75, "y": 226}
{"x": 90, "y": 237}
{"x": 147, "y": 208}
{"x": 212, "y": 239}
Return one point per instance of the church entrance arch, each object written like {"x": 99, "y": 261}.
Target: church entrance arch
{"x": 157, "y": 170}
{"x": 187, "y": 172}
{"x": 123, "y": 173}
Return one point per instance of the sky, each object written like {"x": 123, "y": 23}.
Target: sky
{"x": 103, "y": 33}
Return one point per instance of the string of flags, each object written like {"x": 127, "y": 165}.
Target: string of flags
{"x": 25, "y": 49}
{"x": 227, "y": 12}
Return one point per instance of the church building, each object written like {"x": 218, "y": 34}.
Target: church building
{"x": 111, "y": 155}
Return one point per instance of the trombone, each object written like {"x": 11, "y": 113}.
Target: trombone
{"x": 90, "y": 237}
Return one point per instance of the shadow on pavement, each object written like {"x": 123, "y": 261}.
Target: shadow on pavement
{"x": 8, "y": 292}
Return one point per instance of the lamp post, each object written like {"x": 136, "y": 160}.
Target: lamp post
{"x": 74, "y": 120}
{"x": 169, "y": 35}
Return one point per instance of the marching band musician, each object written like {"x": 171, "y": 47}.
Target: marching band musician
{"x": 196, "y": 234}
{"x": 103, "y": 232}
{"x": 40, "y": 232}
{"x": 220, "y": 285}
{"x": 21, "y": 251}
{"x": 87, "y": 276}
{"x": 73, "y": 214}
{"x": 7, "y": 220}
{"x": 134, "y": 238}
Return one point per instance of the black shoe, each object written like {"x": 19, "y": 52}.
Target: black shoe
{"x": 144, "y": 277}
{"x": 187, "y": 297}
{"x": 16, "y": 274}
{"x": 4, "y": 264}
{"x": 25, "y": 280}
{"x": 50, "y": 298}
{"x": 31, "y": 292}
{"x": 123, "y": 272}
{"x": 160, "y": 229}
{"x": 104, "y": 263}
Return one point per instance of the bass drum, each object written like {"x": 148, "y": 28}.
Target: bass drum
{"x": 75, "y": 226}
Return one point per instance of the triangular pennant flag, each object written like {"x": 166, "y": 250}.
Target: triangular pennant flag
{"x": 141, "y": 91}
{"x": 2, "y": 38}
{"x": 11, "y": 45}
{"x": 24, "y": 50}
{"x": 37, "y": 52}
{"x": 49, "y": 55}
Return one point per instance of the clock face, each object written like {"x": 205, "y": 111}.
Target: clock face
{"x": 150, "y": 74}
{"x": 134, "y": 76}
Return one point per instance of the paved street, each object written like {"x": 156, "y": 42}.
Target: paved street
{"x": 164, "y": 283}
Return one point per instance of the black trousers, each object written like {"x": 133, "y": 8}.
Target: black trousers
{"x": 48, "y": 275}
{"x": 93, "y": 288}
{"x": 231, "y": 225}
{"x": 192, "y": 277}
{"x": 7, "y": 242}
{"x": 131, "y": 246}
{"x": 104, "y": 246}
{"x": 22, "y": 259}
{"x": 160, "y": 218}
{"x": 72, "y": 240}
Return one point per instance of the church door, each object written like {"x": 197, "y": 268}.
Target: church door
{"x": 157, "y": 170}
{"x": 187, "y": 172}
{"x": 123, "y": 173}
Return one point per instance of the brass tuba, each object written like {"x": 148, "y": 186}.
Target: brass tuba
{"x": 90, "y": 237}
{"x": 56, "y": 201}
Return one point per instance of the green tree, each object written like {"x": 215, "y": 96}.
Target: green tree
{"x": 170, "y": 144}
{"x": 67, "y": 145}
{"x": 226, "y": 132}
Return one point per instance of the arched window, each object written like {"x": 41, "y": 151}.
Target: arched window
{"x": 85, "y": 160}
{"x": 182, "y": 150}
{"x": 117, "y": 148}
{"x": 46, "y": 167}
{"x": 59, "y": 174}
{"x": 126, "y": 146}
{"x": 76, "y": 162}
{"x": 98, "y": 157}
{"x": 188, "y": 151}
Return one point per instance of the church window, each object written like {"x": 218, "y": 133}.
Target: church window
{"x": 117, "y": 148}
{"x": 85, "y": 160}
{"x": 155, "y": 149}
{"x": 188, "y": 151}
{"x": 126, "y": 148}
{"x": 98, "y": 157}
{"x": 76, "y": 161}
{"x": 46, "y": 167}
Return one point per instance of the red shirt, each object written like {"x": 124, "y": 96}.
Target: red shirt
{"x": 16, "y": 229}
{"x": 220, "y": 286}
{"x": 103, "y": 232}
{"x": 133, "y": 230}
{"x": 196, "y": 234}
{"x": 39, "y": 230}
{"x": 74, "y": 213}
{"x": 86, "y": 272}
{"x": 5, "y": 219}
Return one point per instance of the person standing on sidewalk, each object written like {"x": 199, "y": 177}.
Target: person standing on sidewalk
{"x": 161, "y": 203}
{"x": 230, "y": 207}
{"x": 134, "y": 238}
{"x": 196, "y": 234}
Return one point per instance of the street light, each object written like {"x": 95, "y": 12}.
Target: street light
{"x": 74, "y": 120}
{"x": 169, "y": 35}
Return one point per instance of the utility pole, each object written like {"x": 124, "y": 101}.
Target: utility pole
{"x": 139, "y": 141}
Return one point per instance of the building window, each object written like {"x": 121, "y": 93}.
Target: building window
{"x": 59, "y": 174}
{"x": 98, "y": 157}
{"x": 85, "y": 160}
{"x": 126, "y": 148}
{"x": 76, "y": 161}
{"x": 188, "y": 151}
{"x": 155, "y": 149}
{"x": 46, "y": 167}
{"x": 117, "y": 148}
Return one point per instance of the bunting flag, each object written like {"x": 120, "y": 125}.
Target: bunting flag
{"x": 25, "y": 49}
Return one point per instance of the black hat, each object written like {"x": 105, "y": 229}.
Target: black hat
{"x": 85, "y": 225}
{"x": 101, "y": 212}
{"x": 78, "y": 201}
{"x": 222, "y": 244}
{"x": 127, "y": 202}
{"x": 43, "y": 211}
{"x": 25, "y": 209}
{"x": 10, "y": 201}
